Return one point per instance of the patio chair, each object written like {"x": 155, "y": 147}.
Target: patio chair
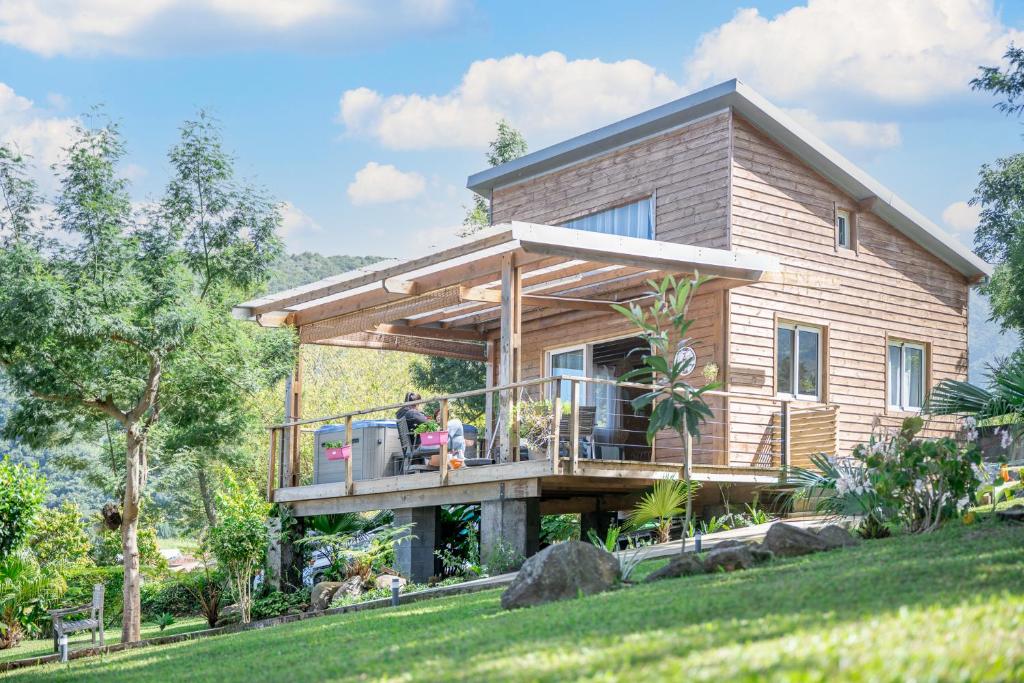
{"x": 415, "y": 458}
{"x": 588, "y": 416}
{"x": 93, "y": 623}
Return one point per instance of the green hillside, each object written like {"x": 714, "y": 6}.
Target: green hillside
{"x": 293, "y": 270}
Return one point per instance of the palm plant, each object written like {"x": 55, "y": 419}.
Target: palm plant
{"x": 1001, "y": 403}
{"x": 666, "y": 500}
{"x": 24, "y": 589}
{"x": 674, "y": 402}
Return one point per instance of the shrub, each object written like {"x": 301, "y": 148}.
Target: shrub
{"x": 276, "y": 603}
{"x": 59, "y": 537}
{"x": 22, "y": 490}
{"x": 163, "y": 620}
{"x": 25, "y": 591}
{"x": 239, "y": 540}
{"x": 172, "y": 595}
{"x": 555, "y": 528}
{"x": 107, "y": 550}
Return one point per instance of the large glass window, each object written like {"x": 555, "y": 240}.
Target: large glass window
{"x": 631, "y": 220}
{"x": 798, "y": 361}
{"x": 906, "y": 375}
{"x": 568, "y": 364}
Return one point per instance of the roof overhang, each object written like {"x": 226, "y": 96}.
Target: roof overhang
{"x": 450, "y": 300}
{"x": 774, "y": 123}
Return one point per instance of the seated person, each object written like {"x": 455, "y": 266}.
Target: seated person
{"x": 412, "y": 415}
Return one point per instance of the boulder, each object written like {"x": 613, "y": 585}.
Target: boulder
{"x": 761, "y": 553}
{"x": 322, "y": 594}
{"x": 384, "y": 581}
{"x": 837, "y": 537}
{"x": 728, "y": 543}
{"x": 728, "y": 559}
{"x": 786, "y": 540}
{"x": 685, "y": 564}
{"x": 1012, "y": 514}
{"x": 562, "y": 571}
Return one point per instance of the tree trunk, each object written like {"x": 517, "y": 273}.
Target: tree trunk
{"x": 207, "y": 495}
{"x": 135, "y": 479}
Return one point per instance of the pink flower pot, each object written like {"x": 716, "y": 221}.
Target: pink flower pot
{"x": 433, "y": 438}
{"x": 343, "y": 453}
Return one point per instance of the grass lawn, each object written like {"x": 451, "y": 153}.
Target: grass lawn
{"x": 947, "y": 606}
{"x": 34, "y": 648}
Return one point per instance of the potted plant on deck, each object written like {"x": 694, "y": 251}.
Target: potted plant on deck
{"x": 337, "y": 450}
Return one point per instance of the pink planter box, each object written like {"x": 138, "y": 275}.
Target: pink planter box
{"x": 433, "y": 438}
{"x": 343, "y": 453}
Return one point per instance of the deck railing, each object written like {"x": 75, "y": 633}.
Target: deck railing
{"x": 543, "y": 416}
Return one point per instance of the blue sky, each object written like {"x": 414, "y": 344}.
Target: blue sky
{"x": 367, "y": 119}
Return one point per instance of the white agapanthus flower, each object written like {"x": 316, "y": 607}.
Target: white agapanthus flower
{"x": 1005, "y": 439}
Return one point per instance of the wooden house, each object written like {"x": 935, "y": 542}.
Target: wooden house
{"x": 834, "y": 308}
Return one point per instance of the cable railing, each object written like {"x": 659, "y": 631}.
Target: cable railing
{"x": 561, "y": 420}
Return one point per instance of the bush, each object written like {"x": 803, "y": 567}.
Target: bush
{"x": 25, "y": 593}
{"x": 107, "y": 550}
{"x": 22, "y": 490}
{"x": 59, "y": 537}
{"x": 172, "y": 595}
{"x": 276, "y": 603}
{"x": 239, "y": 540}
{"x": 80, "y": 581}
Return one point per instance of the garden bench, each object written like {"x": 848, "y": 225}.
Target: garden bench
{"x": 93, "y": 623}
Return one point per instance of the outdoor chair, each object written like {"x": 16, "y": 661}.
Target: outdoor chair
{"x": 93, "y": 623}
{"x": 588, "y": 416}
{"x": 415, "y": 458}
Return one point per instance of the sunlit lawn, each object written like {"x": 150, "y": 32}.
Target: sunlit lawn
{"x": 948, "y": 606}
{"x": 35, "y": 648}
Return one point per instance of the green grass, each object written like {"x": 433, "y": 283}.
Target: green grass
{"x": 946, "y": 606}
{"x": 185, "y": 545}
{"x": 34, "y": 648}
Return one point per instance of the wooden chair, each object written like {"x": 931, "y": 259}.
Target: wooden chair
{"x": 94, "y": 622}
{"x": 415, "y": 458}
{"x": 588, "y": 416}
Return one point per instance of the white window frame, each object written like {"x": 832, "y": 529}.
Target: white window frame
{"x": 847, "y": 216}
{"x": 904, "y": 375}
{"x": 797, "y": 328}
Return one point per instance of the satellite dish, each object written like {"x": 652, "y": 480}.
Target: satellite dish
{"x": 686, "y": 357}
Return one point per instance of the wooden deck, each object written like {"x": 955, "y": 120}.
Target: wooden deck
{"x": 610, "y": 484}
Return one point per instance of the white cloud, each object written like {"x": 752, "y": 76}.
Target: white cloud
{"x": 295, "y": 221}
{"x": 547, "y": 96}
{"x": 383, "y": 183}
{"x": 34, "y": 132}
{"x": 863, "y": 134}
{"x": 962, "y": 217}
{"x": 53, "y": 27}
{"x": 905, "y": 51}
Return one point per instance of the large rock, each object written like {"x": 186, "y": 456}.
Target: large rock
{"x": 837, "y": 537}
{"x": 786, "y": 540}
{"x": 325, "y": 591}
{"x": 686, "y": 564}
{"x": 1012, "y": 514}
{"x": 384, "y": 581}
{"x": 728, "y": 559}
{"x": 562, "y": 571}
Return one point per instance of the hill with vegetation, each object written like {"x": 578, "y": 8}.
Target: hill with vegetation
{"x": 294, "y": 270}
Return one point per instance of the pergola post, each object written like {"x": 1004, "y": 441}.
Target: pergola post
{"x": 290, "y": 475}
{"x": 509, "y": 361}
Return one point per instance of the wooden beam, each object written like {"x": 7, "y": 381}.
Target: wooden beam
{"x": 380, "y": 342}
{"x": 481, "y": 294}
{"x": 439, "y": 495}
{"x": 456, "y": 333}
{"x": 505, "y": 361}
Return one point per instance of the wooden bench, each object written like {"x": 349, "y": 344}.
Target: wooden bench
{"x": 62, "y": 626}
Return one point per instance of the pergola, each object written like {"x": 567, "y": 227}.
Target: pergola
{"x": 470, "y": 301}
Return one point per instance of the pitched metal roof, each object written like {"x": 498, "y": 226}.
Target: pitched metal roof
{"x": 772, "y": 121}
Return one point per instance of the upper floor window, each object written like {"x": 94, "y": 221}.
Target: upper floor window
{"x": 630, "y": 220}
{"x": 798, "y": 361}
{"x": 844, "y": 229}
{"x": 906, "y": 362}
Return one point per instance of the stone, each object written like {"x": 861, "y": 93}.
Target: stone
{"x": 384, "y": 581}
{"x": 729, "y": 543}
{"x": 761, "y": 553}
{"x": 1012, "y": 514}
{"x": 685, "y": 564}
{"x": 560, "y": 572}
{"x": 837, "y": 537}
{"x": 322, "y": 594}
{"x": 728, "y": 559}
{"x": 786, "y": 540}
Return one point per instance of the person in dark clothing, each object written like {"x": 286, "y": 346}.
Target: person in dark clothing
{"x": 412, "y": 415}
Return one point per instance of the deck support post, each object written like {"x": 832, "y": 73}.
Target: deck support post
{"x": 509, "y": 362}
{"x": 415, "y": 556}
{"x": 290, "y": 475}
{"x": 599, "y": 521}
{"x": 509, "y": 525}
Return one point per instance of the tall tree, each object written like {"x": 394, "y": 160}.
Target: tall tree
{"x": 92, "y": 325}
{"x": 508, "y": 144}
{"x": 999, "y": 237}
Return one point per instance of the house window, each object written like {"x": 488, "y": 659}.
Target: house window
{"x": 568, "y": 363}
{"x": 843, "y": 229}
{"x": 906, "y": 375}
{"x": 631, "y": 220}
{"x": 798, "y": 361}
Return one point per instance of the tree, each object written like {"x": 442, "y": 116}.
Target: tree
{"x": 451, "y": 376}
{"x": 22, "y": 490}
{"x": 676, "y": 403}
{"x": 91, "y": 326}
{"x": 60, "y": 538}
{"x": 239, "y": 540}
{"x": 999, "y": 237}
{"x": 508, "y": 144}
